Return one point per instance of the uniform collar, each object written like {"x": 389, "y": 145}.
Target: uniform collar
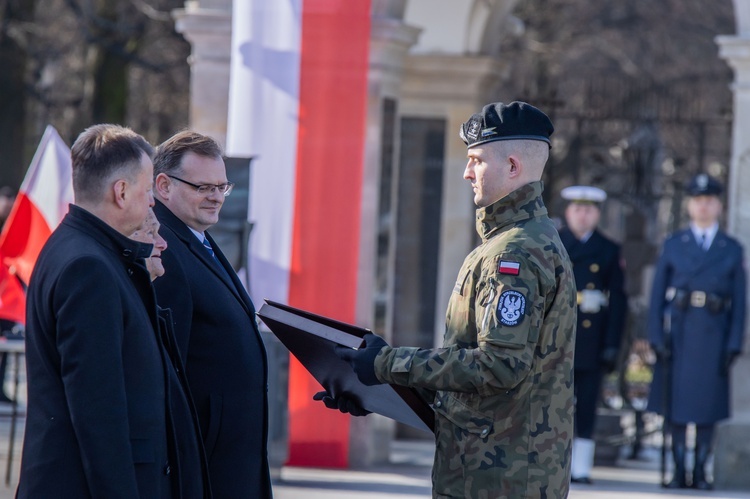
{"x": 709, "y": 232}
{"x": 522, "y": 204}
{"x": 586, "y": 237}
{"x": 200, "y": 235}
{"x": 126, "y": 248}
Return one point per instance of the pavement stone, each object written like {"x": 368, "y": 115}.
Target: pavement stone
{"x": 407, "y": 476}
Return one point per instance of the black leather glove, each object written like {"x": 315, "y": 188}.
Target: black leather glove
{"x": 727, "y": 361}
{"x": 343, "y": 403}
{"x": 363, "y": 359}
{"x": 608, "y": 360}
{"x": 661, "y": 351}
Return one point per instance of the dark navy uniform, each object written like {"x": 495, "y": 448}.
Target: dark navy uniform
{"x": 702, "y": 294}
{"x": 602, "y": 306}
{"x": 697, "y": 316}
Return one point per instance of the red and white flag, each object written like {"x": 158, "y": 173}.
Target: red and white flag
{"x": 41, "y": 204}
{"x": 509, "y": 267}
{"x": 297, "y": 104}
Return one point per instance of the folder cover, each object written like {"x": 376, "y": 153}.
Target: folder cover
{"x": 311, "y": 339}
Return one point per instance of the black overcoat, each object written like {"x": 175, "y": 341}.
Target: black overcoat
{"x": 192, "y": 478}
{"x": 597, "y": 266}
{"x": 700, "y": 338}
{"x": 97, "y": 420}
{"x": 218, "y": 338}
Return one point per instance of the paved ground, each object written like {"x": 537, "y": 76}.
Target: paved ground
{"x": 408, "y": 477}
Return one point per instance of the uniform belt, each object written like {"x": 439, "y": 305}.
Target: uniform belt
{"x": 683, "y": 298}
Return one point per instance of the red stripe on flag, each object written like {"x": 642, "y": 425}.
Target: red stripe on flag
{"x": 12, "y": 297}
{"x": 325, "y": 237}
{"x": 23, "y": 236}
{"x": 510, "y": 268}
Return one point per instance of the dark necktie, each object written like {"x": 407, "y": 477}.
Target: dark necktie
{"x": 211, "y": 252}
{"x": 208, "y": 247}
{"x": 703, "y": 242}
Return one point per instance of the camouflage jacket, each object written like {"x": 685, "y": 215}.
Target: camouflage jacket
{"x": 503, "y": 380}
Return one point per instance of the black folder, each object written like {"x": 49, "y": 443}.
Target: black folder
{"x": 311, "y": 339}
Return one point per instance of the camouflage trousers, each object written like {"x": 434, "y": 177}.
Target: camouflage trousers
{"x": 469, "y": 466}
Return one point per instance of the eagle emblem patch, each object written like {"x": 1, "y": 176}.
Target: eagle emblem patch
{"x": 511, "y": 308}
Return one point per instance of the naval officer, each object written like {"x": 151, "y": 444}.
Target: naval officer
{"x": 602, "y": 307}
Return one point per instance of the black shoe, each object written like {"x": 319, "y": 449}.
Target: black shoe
{"x": 702, "y": 485}
{"x": 581, "y": 479}
{"x": 678, "y": 477}
{"x": 676, "y": 483}
{"x": 699, "y": 471}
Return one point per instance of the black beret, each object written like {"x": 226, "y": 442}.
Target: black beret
{"x": 514, "y": 121}
{"x": 703, "y": 185}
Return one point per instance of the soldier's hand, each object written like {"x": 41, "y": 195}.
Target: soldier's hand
{"x": 608, "y": 360}
{"x": 729, "y": 358}
{"x": 661, "y": 351}
{"x": 363, "y": 359}
{"x": 343, "y": 403}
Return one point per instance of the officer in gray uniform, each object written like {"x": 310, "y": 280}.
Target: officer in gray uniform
{"x": 602, "y": 306}
{"x": 696, "y": 323}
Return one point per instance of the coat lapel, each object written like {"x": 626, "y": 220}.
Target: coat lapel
{"x": 580, "y": 250}
{"x": 698, "y": 257}
{"x": 220, "y": 268}
{"x": 717, "y": 248}
{"x": 227, "y": 273}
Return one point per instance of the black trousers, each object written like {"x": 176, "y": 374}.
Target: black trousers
{"x": 586, "y": 386}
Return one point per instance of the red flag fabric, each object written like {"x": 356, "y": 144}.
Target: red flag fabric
{"x": 41, "y": 204}
{"x": 325, "y": 232}
{"x": 12, "y": 297}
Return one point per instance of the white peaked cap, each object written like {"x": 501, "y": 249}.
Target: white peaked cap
{"x": 583, "y": 193}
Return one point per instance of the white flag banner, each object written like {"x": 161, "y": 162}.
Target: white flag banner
{"x": 262, "y": 123}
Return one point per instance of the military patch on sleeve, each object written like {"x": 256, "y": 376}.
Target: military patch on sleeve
{"x": 508, "y": 267}
{"x": 511, "y": 308}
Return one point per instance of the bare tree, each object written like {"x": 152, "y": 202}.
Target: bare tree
{"x": 13, "y": 62}
{"x": 611, "y": 71}
{"x": 86, "y": 62}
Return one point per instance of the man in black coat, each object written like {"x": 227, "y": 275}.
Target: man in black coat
{"x": 696, "y": 323}
{"x": 98, "y": 420}
{"x": 602, "y": 306}
{"x": 214, "y": 318}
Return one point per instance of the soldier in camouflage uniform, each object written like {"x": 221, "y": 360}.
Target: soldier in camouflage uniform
{"x": 502, "y": 384}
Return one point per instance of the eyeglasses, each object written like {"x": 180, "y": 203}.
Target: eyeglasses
{"x": 206, "y": 189}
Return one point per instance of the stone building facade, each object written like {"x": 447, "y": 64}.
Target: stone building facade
{"x": 424, "y": 81}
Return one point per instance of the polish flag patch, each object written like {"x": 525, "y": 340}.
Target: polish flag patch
{"x": 508, "y": 267}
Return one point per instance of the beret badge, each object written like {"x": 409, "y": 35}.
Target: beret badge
{"x": 514, "y": 121}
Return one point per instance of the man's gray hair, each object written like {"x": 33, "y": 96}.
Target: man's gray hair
{"x": 99, "y": 153}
